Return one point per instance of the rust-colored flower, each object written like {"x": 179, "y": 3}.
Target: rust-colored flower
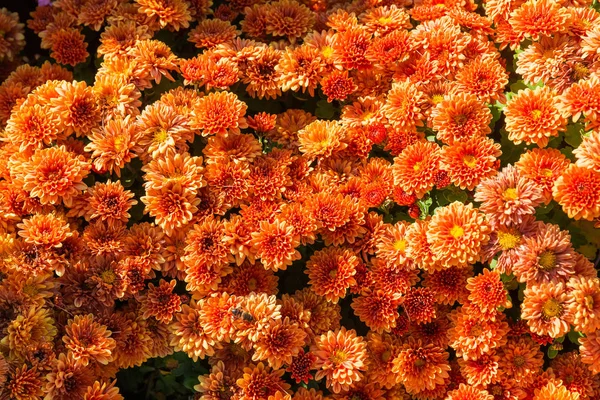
{"x": 69, "y": 47}
{"x": 577, "y": 190}
{"x": 331, "y": 272}
{"x": 67, "y": 379}
{"x": 88, "y": 341}
{"x": 219, "y": 113}
{"x": 484, "y": 77}
{"x": 110, "y": 202}
{"x": 279, "y": 342}
{"x": 341, "y": 355}
{"x": 421, "y": 366}
{"x": 465, "y": 392}
{"x": 378, "y": 310}
{"x": 288, "y": 18}
{"x": 419, "y": 305}
{"x": 586, "y": 303}
{"x": 24, "y": 383}
{"x": 173, "y": 14}
{"x": 301, "y": 365}
{"x": 260, "y": 381}
{"x": 338, "y": 85}
{"x": 171, "y": 205}
{"x": 160, "y": 302}
{"x": 46, "y": 230}
{"x": 300, "y": 69}
{"x": 103, "y": 391}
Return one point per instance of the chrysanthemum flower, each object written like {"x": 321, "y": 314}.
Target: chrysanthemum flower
{"x": 389, "y": 50}
{"x": 24, "y": 383}
{"x": 46, "y": 230}
{"x": 536, "y": 18}
{"x": 385, "y": 20}
{"x": 582, "y": 99}
{"x": 338, "y": 85}
{"x": 484, "y": 77}
{"x": 103, "y": 391}
{"x": 12, "y": 39}
{"x": 55, "y": 174}
{"x": 588, "y": 152}
{"x": 109, "y": 202}
{"x": 468, "y": 162}
{"x": 275, "y": 245}
{"x": 288, "y": 18}
{"x": 300, "y": 69}
{"x": 10, "y": 94}
{"x": 350, "y": 48}
{"x": 585, "y": 307}
{"x": 418, "y": 248}
{"x": 171, "y": 205}
{"x": 487, "y": 293}
{"x": 460, "y": 117}
{"x": 187, "y": 333}
{"x": 88, "y": 341}
{"x": 419, "y": 305}
{"x": 33, "y": 126}
{"x": 546, "y": 308}
{"x": 212, "y": 32}
{"x": 160, "y": 302}
{"x": 378, "y": 310}
{"x": 465, "y": 392}
{"x": 577, "y": 190}
{"x": 415, "y": 168}
{"x": 449, "y": 284}
{"x": 33, "y": 327}
{"x": 173, "y": 14}
{"x": 532, "y": 116}
{"x": 219, "y": 113}
{"x": 69, "y": 47}
{"x": 471, "y": 336}
{"x": 404, "y": 106}
{"x": 321, "y": 139}
{"x": 421, "y": 367}
{"x": 553, "y": 391}
{"x": 456, "y": 234}
{"x": 260, "y": 381}
{"x": 331, "y": 272}
{"x": 481, "y": 372}
{"x": 508, "y": 197}
{"x": 576, "y": 377}
{"x": 543, "y": 166}
{"x": 521, "y": 359}
{"x": 68, "y": 379}
{"x": 340, "y": 356}
{"x": 279, "y": 342}
{"x": 391, "y": 245}
{"x": 76, "y": 106}
{"x": 261, "y": 76}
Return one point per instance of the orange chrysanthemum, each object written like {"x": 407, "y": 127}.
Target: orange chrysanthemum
{"x": 588, "y": 152}
{"x": 404, "y": 106}
{"x": 421, "y": 366}
{"x": 77, "y": 107}
{"x": 378, "y": 310}
{"x": 484, "y": 77}
{"x": 45, "y": 230}
{"x": 279, "y": 342}
{"x": 88, "y": 341}
{"x": 174, "y": 14}
{"x": 577, "y": 190}
{"x": 219, "y": 113}
{"x": 331, "y": 272}
{"x": 470, "y": 161}
{"x": 160, "y": 302}
{"x": 543, "y": 166}
{"x": 487, "y": 293}
{"x": 340, "y": 356}
{"x": 187, "y": 333}
{"x": 415, "y": 168}
{"x": 275, "y": 244}
{"x": 288, "y": 18}
{"x": 260, "y": 381}
{"x": 536, "y": 18}
{"x": 321, "y": 139}
{"x": 69, "y": 47}
{"x": 521, "y": 359}
{"x": 465, "y": 392}
{"x": 459, "y": 117}
{"x": 532, "y": 116}
{"x": 212, "y": 32}
{"x": 546, "y": 308}
{"x": 338, "y": 85}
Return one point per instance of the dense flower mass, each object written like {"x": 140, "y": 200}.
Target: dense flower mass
{"x": 300, "y": 200}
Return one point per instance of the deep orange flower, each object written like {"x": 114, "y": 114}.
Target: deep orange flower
{"x": 340, "y": 356}
{"x": 468, "y": 162}
{"x": 552, "y": 391}
{"x": 532, "y": 116}
{"x": 110, "y": 202}
{"x": 588, "y": 152}
{"x": 421, "y": 366}
{"x": 321, "y": 139}
{"x": 46, "y": 230}
{"x": 414, "y": 169}
{"x": 69, "y": 47}
{"x": 484, "y": 77}
{"x": 350, "y": 48}
{"x": 160, "y": 302}
{"x": 582, "y": 99}
{"x": 465, "y": 392}
{"x": 288, "y": 18}
{"x": 460, "y": 117}
{"x": 487, "y": 293}
{"x": 521, "y": 359}
{"x": 275, "y": 244}
{"x": 33, "y": 126}
{"x": 404, "y": 106}
{"x": 300, "y": 69}
{"x": 24, "y": 383}
{"x": 219, "y": 113}
{"x": 536, "y": 18}
{"x": 188, "y": 333}
{"x": 174, "y": 14}
{"x": 577, "y": 190}
{"x": 546, "y": 308}
{"x": 88, "y": 341}
{"x": 331, "y": 272}
{"x": 279, "y": 342}
{"x": 449, "y": 284}
{"x": 260, "y": 381}
{"x": 212, "y": 32}
{"x": 378, "y": 310}
{"x": 338, "y": 85}
{"x": 419, "y": 305}
{"x": 172, "y": 206}
{"x": 260, "y": 74}
{"x": 543, "y": 166}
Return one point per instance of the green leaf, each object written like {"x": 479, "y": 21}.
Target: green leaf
{"x": 574, "y": 134}
{"x": 552, "y": 353}
{"x": 325, "y": 110}
{"x": 424, "y": 205}
{"x": 493, "y": 263}
{"x": 560, "y": 339}
{"x": 574, "y": 337}
{"x": 568, "y": 152}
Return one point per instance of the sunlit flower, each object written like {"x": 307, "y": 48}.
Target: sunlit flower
{"x": 415, "y": 168}
{"x": 421, "y": 367}
{"x": 174, "y": 14}
{"x": 331, "y": 272}
{"x": 88, "y": 341}
{"x": 321, "y": 139}
{"x": 546, "y": 308}
{"x": 577, "y": 190}
{"x": 537, "y": 18}
{"x": 219, "y": 113}
{"x": 543, "y": 166}
{"x": 460, "y": 117}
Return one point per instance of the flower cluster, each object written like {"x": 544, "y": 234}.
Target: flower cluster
{"x": 314, "y": 199}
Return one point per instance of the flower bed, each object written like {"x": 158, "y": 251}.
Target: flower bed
{"x": 312, "y": 199}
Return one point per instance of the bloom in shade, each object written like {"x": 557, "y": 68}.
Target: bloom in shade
{"x": 468, "y": 162}
{"x": 288, "y": 18}
{"x": 76, "y": 106}
{"x": 465, "y": 392}
{"x": 419, "y": 305}
{"x": 188, "y": 335}
{"x": 212, "y": 32}
{"x": 521, "y": 359}
{"x": 24, "y": 383}
{"x": 279, "y": 342}
{"x": 484, "y": 77}
{"x": 456, "y": 233}
{"x": 532, "y": 116}
{"x": 69, "y": 47}
{"x": 415, "y": 168}
{"x": 46, "y": 230}
{"x": 404, "y": 106}
{"x": 260, "y": 382}
{"x": 174, "y": 14}
{"x": 299, "y": 368}
{"x": 585, "y": 307}
{"x": 160, "y": 302}
{"x": 340, "y": 356}
{"x": 577, "y": 190}
{"x": 576, "y": 376}
{"x": 172, "y": 206}
{"x": 449, "y": 284}
{"x": 589, "y": 350}
{"x": 487, "y": 293}
{"x": 543, "y": 166}
{"x": 219, "y": 113}
{"x": 547, "y": 256}
{"x": 331, "y": 272}
{"x": 55, "y": 174}
{"x": 546, "y": 308}
{"x": 103, "y": 391}
{"x": 378, "y": 310}
{"x": 67, "y": 379}
{"x": 88, "y": 341}
{"x": 507, "y": 197}
{"x": 459, "y": 117}
{"x": 536, "y": 18}
{"x": 421, "y": 366}
{"x": 321, "y": 139}
{"x": 338, "y": 85}
{"x": 552, "y": 391}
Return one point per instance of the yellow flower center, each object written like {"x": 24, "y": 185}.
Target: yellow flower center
{"x": 589, "y": 302}
{"x": 547, "y": 172}
{"x": 327, "y": 52}
{"x": 385, "y": 20}
{"x": 536, "y": 114}
{"x": 580, "y": 71}
{"x": 547, "y": 260}
{"x": 508, "y": 240}
{"x": 339, "y": 357}
{"x": 519, "y": 361}
{"x": 551, "y": 308}
{"x": 496, "y": 390}
{"x": 510, "y": 194}
{"x": 470, "y": 161}
{"x": 161, "y": 136}
{"x": 333, "y": 273}
{"x": 366, "y": 116}
{"x": 400, "y": 245}
{"x": 108, "y": 276}
{"x": 30, "y": 290}
{"x": 457, "y": 231}
{"x": 437, "y": 98}
{"x": 417, "y": 167}
{"x": 119, "y": 142}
